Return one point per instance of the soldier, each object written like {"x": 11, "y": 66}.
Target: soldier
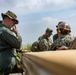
{"x": 8, "y": 42}
{"x": 55, "y": 36}
{"x": 45, "y": 40}
{"x": 65, "y": 38}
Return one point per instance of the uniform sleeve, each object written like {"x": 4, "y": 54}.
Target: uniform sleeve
{"x": 13, "y": 41}
{"x": 56, "y": 44}
{"x": 53, "y": 45}
{"x": 43, "y": 44}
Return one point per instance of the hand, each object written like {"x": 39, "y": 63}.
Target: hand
{"x": 62, "y": 48}
{"x": 15, "y": 30}
{"x": 25, "y": 51}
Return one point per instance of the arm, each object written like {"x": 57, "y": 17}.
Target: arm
{"x": 57, "y": 44}
{"x": 14, "y": 42}
{"x": 62, "y": 48}
{"x": 43, "y": 45}
{"x": 73, "y": 44}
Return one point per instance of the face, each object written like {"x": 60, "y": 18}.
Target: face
{"x": 48, "y": 34}
{"x": 11, "y": 23}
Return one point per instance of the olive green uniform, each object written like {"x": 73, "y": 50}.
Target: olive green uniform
{"x": 8, "y": 45}
{"x": 55, "y": 36}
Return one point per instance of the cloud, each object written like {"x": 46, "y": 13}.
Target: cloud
{"x": 36, "y": 15}
{"x": 37, "y": 28}
{"x": 35, "y": 6}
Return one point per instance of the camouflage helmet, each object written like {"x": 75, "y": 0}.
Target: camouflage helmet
{"x": 49, "y": 30}
{"x": 64, "y": 26}
{"x": 59, "y": 23}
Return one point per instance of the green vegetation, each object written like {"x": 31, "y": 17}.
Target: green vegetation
{"x": 24, "y": 47}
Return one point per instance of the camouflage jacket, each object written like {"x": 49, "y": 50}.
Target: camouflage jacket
{"x": 8, "y": 45}
{"x": 64, "y": 40}
{"x": 44, "y": 42}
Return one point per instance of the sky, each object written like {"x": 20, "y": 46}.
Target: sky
{"x": 35, "y": 16}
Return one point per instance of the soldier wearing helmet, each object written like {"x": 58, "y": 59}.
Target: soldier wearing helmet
{"x": 65, "y": 38}
{"x": 55, "y": 36}
{"x": 64, "y": 28}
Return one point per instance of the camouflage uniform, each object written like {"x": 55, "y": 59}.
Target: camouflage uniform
{"x": 64, "y": 40}
{"x": 44, "y": 43}
{"x": 55, "y": 36}
{"x": 35, "y": 47}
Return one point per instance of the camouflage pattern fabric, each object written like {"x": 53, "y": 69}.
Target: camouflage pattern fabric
{"x": 64, "y": 40}
{"x": 44, "y": 43}
{"x": 35, "y": 46}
